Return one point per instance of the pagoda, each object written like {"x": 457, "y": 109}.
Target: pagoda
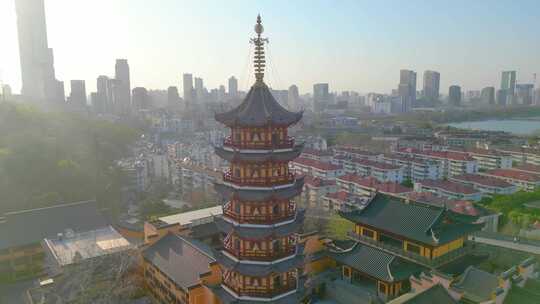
{"x": 260, "y": 257}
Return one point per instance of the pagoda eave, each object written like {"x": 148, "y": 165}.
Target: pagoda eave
{"x": 226, "y": 298}
{"x": 229, "y": 192}
{"x": 281, "y": 155}
{"x": 259, "y": 270}
{"x": 262, "y": 232}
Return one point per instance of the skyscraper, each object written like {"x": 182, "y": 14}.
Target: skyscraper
{"x": 432, "y": 81}
{"x": 77, "y": 96}
{"x": 188, "y": 87}
{"x": 294, "y": 97}
{"x": 140, "y": 98}
{"x": 199, "y": 89}
{"x": 407, "y": 89}
{"x": 524, "y": 93}
{"x": 36, "y": 58}
{"x": 122, "y": 87}
{"x": 488, "y": 95}
{"x": 508, "y": 84}
{"x": 233, "y": 87}
{"x": 104, "y": 95}
{"x": 321, "y": 96}
{"x": 454, "y": 95}
{"x": 173, "y": 99}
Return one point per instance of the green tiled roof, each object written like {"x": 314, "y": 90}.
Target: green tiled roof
{"x": 377, "y": 263}
{"x": 420, "y": 222}
{"x": 476, "y": 285}
{"x": 435, "y": 294}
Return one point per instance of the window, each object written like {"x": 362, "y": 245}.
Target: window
{"x": 413, "y": 248}
{"x": 382, "y": 288}
{"x": 346, "y": 272}
{"x": 368, "y": 233}
{"x": 237, "y": 172}
{"x": 275, "y": 209}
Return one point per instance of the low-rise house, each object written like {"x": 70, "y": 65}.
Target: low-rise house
{"x": 485, "y": 184}
{"x": 523, "y": 180}
{"x": 452, "y": 163}
{"x": 315, "y": 189}
{"x": 315, "y": 168}
{"x": 448, "y": 189}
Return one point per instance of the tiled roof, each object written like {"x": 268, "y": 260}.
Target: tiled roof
{"x": 392, "y": 187}
{"x": 448, "y": 186}
{"x": 259, "y": 108}
{"x": 261, "y": 233}
{"x": 260, "y": 270}
{"x": 372, "y": 183}
{"x": 476, "y": 284}
{"x": 355, "y": 150}
{"x": 482, "y": 180}
{"x": 31, "y": 226}
{"x": 530, "y": 168}
{"x": 462, "y": 207}
{"x": 436, "y": 294}
{"x": 227, "y": 192}
{"x": 318, "y": 182}
{"x": 376, "y": 263}
{"x": 415, "y": 221}
{"x": 182, "y": 261}
{"x": 316, "y": 152}
{"x": 374, "y": 164}
{"x": 278, "y": 156}
{"x": 451, "y": 155}
{"x": 353, "y": 178}
{"x": 518, "y": 175}
{"x": 316, "y": 164}
{"x": 339, "y": 195}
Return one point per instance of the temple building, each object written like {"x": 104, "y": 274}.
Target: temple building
{"x": 260, "y": 256}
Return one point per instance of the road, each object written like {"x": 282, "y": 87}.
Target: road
{"x": 508, "y": 244}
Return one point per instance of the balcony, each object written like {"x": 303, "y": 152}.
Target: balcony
{"x": 263, "y": 291}
{"x": 286, "y": 143}
{"x": 407, "y": 255}
{"x": 259, "y": 181}
{"x": 262, "y": 255}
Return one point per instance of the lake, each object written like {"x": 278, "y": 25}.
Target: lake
{"x": 521, "y": 127}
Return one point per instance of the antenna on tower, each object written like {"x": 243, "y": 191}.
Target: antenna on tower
{"x": 259, "y": 61}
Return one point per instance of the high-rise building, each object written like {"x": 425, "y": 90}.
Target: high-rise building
{"x": 321, "y": 96}
{"x": 36, "y": 58}
{"x": 6, "y": 92}
{"x": 431, "y": 86}
{"x": 294, "y": 98}
{"x": 407, "y": 89}
{"x": 260, "y": 258}
{"x": 199, "y": 89}
{"x": 524, "y": 93}
{"x": 188, "y": 88}
{"x": 140, "y": 98}
{"x": 454, "y": 95}
{"x": 77, "y": 96}
{"x": 508, "y": 84}
{"x": 488, "y": 95}
{"x": 233, "y": 87}
{"x": 173, "y": 98}
{"x": 537, "y": 97}
{"x": 501, "y": 97}
{"x": 221, "y": 93}
{"x": 104, "y": 95}
{"x": 122, "y": 87}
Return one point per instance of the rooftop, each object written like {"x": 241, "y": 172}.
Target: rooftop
{"x": 180, "y": 259}
{"x": 435, "y": 294}
{"x": 316, "y": 152}
{"x": 448, "y": 186}
{"x": 530, "y": 168}
{"x": 193, "y": 218}
{"x": 483, "y": 180}
{"x": 476, "y": 284}
{"x": 68, "y": 248}
{"x": 32, "y": 226}
{"x": 374, "y": 164}
{"x": 316, "y": 164}
{"x": 318, "y": 182}
{"x": 514, "y": 174}
{"x": 424, "y": 223}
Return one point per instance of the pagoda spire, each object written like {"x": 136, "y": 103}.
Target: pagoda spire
{"x": 259, "y": 61}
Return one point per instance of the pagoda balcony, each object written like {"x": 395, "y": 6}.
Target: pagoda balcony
{"x": 262, "y": 255}
{"x": 263, "y": 291}
{"x": 259, "y": 181}
{"x": 286, "y": 143}
{"x": 262, "y": 219}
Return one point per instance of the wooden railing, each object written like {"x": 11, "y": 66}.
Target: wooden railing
{"x": 259, "y": 181}
{"x": 262, "y": 255}
{"x": 261, "y": 218}
{"x": 262, "y": 292}
{"x": 279, "y": 144}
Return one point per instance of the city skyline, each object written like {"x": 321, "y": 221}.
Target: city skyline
{"x": 370, "y": 64}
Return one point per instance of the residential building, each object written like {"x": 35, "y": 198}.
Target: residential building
{"x": 448, "y": 189}
{"x": 233, "y": 87}
{"x": 77, "y": 97}
{"x": 528, "y": 168}
{"x": 315, "y": 189}
{"x": 485, "y": 184}
{"x": 407, "y": 89}
{"x": 173, "y": 98}
{"x": 122, "y": 87}
{"x": 189, "y": 93}
{"x": 415, "y": 169}
{"x": 316, "y": 168}
{"x": 488, "y": 95}
{"x": 525, "y": 93}
{"x": 294, "y": 98}
{"x": 321, "y": 96}
{"x": 368, "y": 186}
{"x": 487, "y": 159}
{"x": 431, "y": 86}
{"x": 523, "y": 155}
{"x": 320, "y": 155}
{"x": 350, "y": 152}
{"x": 452, "y": 163}
{"x": 381, "y": 171}
{"x": 523, "y": 180}
{"x": 343, "y": 201}
{"x": 140, "y": 99}
{"x": 454, "y": 95}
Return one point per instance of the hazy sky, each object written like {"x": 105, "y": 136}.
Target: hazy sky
{"x": 353, "y": 45}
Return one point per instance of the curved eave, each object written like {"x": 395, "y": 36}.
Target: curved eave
{"x": 271, "y": 155}
{"x": 262, "y": 232}
{"x": 228, "y": 192}
{"x": 236, "y": 122}
{"x": 227, "y": 298}
{"x": 258, "y": 270}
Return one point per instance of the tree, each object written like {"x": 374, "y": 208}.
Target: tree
{"x": 338, "y": 227}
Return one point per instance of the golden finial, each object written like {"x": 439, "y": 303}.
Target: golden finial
{"x": 259, "y": 61}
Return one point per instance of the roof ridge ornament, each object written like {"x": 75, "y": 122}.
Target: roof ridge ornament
{"x": 259, "y": 61}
